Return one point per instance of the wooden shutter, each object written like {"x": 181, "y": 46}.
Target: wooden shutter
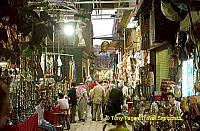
{"x": 162, "y": 68}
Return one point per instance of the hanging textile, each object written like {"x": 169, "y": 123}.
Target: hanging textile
{"x": 70, "y": 71}
{"x": 59, "y": 65}
{"x": 42, "y": 62}
{"x": 74, "y": 72}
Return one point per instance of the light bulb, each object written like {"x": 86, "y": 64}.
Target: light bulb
{"x": 69, "y": 30}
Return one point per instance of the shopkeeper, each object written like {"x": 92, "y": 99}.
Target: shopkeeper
{"x": 173, "y": 104}
{"x": 41, "y": 121}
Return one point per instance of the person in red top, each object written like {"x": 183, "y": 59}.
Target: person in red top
{"x": 92, "y": 85}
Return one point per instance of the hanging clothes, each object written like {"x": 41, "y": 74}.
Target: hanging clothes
{"x": 74, "y": 71}
{"x": 59, "y": 65}
{"x": 42, "y": 62}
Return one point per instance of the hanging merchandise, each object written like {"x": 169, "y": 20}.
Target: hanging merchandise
{"x": 145, "y": 55}
{"x": 70, "y": 71}
{"x": 120, "y": 67}
{"x": 42, "y": 62}
{"x": 167, "y": 85}
{"x": 179, "y": 74}
{"x": 74, "y": 71}
{"x": 173, "y": 64}
{"x": 124, "y": 68}
{"x": 189, "y": 47}
{"x": 150, "y": 75}
{"x": 50, "y": 65}
{"x": 181, "y": 39}
{"x": 177, "y": 91}
{"x": 130, "y": 71}
{"x": 151, "y": 78}
{"x": 173, "y": 61}
{"x": 59, "y": 65}
{"x": 128, "y": 68}
{"x": 23, "y": 93}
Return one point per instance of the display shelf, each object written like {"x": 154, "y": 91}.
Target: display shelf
{"x": 149, "y": 114}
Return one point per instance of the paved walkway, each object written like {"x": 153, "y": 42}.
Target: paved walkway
{"x": 90, "y": 125}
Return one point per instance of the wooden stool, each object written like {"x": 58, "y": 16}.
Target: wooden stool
{"x": 63, "y": 117}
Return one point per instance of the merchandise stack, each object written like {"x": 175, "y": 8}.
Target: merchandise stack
{"x": 167, "y": 85}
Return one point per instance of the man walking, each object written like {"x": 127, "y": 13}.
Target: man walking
{"x": 73, "y": 102}
{"x": 116, "y": 99}
{"x": 82, "y": 102}
{"x": 98, "y": 98}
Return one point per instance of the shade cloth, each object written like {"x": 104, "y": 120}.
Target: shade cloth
{"x": 30, "y": 124}
{"x": 51, "y": 117}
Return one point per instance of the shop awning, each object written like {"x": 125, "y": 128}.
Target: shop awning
{"x": 114, "y": 38}
{"x": 185, "y": 24}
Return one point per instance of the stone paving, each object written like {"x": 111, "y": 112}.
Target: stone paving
{"x": 90, "y": 125}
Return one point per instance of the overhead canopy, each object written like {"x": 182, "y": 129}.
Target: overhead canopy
{"x": 113, "y": 38}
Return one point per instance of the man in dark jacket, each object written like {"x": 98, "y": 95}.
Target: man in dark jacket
{"x": 72, "y": 101}
{"x": 116, "y": 97}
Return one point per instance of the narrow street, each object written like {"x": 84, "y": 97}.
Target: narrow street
{"x": 137, "y": 60}
{"x": 90, "y": 125}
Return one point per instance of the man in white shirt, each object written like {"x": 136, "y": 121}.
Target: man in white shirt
{"x": 64, "y": 108}
{"x": 41, "y": 121}
{"x": 62, "y": 102}
{"x": 173, "y": 103}
{"x": 174, "y": 109}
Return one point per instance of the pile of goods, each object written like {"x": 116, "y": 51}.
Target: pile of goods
{"x": 167, "y": 86}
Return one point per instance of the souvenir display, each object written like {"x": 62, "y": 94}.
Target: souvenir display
{"x": 148, "y": 66}
{"x": 167, "y": 86}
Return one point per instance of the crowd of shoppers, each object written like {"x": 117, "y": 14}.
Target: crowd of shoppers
{"x": 104, "y": 97}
